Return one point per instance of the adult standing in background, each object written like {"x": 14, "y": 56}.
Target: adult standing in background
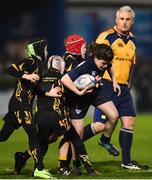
{"x": 122, "y": 41}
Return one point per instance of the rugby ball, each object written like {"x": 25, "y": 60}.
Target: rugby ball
{"x": 85, "y": 80}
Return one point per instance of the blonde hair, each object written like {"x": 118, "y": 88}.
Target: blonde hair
{"x": 125, "y": 9}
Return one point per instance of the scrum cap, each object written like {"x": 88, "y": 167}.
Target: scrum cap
{"x": 73, "y": 44}
{"x": 37, "y": 49}
{"x": 56, "y": 62}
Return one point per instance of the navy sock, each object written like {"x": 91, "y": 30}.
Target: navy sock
{"x": 125, "y": 140}
{"x": 89, "y": 132}
{"x": 105, "y": 139}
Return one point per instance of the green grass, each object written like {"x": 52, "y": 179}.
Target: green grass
{"x": 108, "y": 165}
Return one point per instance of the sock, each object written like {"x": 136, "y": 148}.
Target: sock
{"x": 69, "y": 155}
{"x": 62, "y": 164}
{"x": 76, "y": 163}
{"x": 89, "y": 132}
{"x": 105, "y": 139}
{"x": 125, "y": 140}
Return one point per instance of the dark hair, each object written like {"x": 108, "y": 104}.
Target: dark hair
{"x": 101, "y": 51}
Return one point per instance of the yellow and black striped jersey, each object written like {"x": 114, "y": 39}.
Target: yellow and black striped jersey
{"x": 25, "y": 90}
{"x": 44, "y": 103}
{"x": 71, "y": 61}
{"x": 124, "y": 53}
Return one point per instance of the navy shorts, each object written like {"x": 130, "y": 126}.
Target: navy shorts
{"x": 79, "y": 105}
{"x": 123, "y": 103}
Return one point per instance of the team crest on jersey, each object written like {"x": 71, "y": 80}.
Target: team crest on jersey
{"x": 93, "y": 73}
{"x": 78, "y": 111}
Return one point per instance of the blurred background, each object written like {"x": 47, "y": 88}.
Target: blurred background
{"x": 55, "y": 19}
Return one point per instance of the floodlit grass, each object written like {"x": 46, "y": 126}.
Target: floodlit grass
{"x": 108, "y": 165}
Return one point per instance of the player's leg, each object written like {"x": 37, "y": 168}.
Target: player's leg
{"x": 8, "y": 128}
{"x": 44, "y": 132}
{"x": 20, "y": 160}
{"x": 77, "y": 115}
{"x": 78, "y": 123}
{"x": 110, "y": 112}
{"x": 10, "y": 124}
{"x": 31, "y": 130}
{"x": 127, "y": 115}
{"x": 63, "y": 166}
{"x": 90, "y": 130}
{"x": 65, "y": 127}
{"x": 74, "y": 138}
{"x": 126, "y": 137}
{"x": 22, "y": 157}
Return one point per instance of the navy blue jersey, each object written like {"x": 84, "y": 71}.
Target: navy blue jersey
{"x": 78, "y": 105}
{"x": 86, "y": 67}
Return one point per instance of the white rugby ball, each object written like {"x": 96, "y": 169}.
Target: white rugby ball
{"x": 85, "y": 80}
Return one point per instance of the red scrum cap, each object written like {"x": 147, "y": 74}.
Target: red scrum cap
{"x": 73, "y": 43}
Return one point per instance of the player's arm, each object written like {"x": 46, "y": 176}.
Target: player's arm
{"x": 20, "y": 70}
{"x": 15, "y": 70}
{"x": 31, "y": 77}
{"x": 130, "y": 76}
{"x": 131, "y": 71}
{"x": 116, "y": 86}
{"x": 67, "y": 81}
{"x": 53, "y": 92}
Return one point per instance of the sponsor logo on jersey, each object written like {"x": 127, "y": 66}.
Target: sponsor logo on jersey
{"x": 78, "y": 111}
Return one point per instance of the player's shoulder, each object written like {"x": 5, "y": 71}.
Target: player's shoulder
{"x": 106, "y": 32}
{"x": 69, "y": 57}
{"x": 104, "y": 35}
{"x": 27, "y": 60}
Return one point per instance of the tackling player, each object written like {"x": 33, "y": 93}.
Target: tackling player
{"x": 27, "y": 72}
{"x": 52, "y": 116}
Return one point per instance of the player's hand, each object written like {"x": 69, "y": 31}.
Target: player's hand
{"x": 117, "y": 88}
{"x": 84, "y": 91}
{"x": 31, "y": 77}
{"x": 98, "y": 78}
{"x": 54, "y": 92}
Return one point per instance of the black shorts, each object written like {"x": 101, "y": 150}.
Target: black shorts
{"x": 58, "y": 123}
{"x": 79, "y": 105}
{"x": 18, "y": 118}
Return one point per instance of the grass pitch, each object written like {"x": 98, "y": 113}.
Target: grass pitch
{"x": 108, "y": 165}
